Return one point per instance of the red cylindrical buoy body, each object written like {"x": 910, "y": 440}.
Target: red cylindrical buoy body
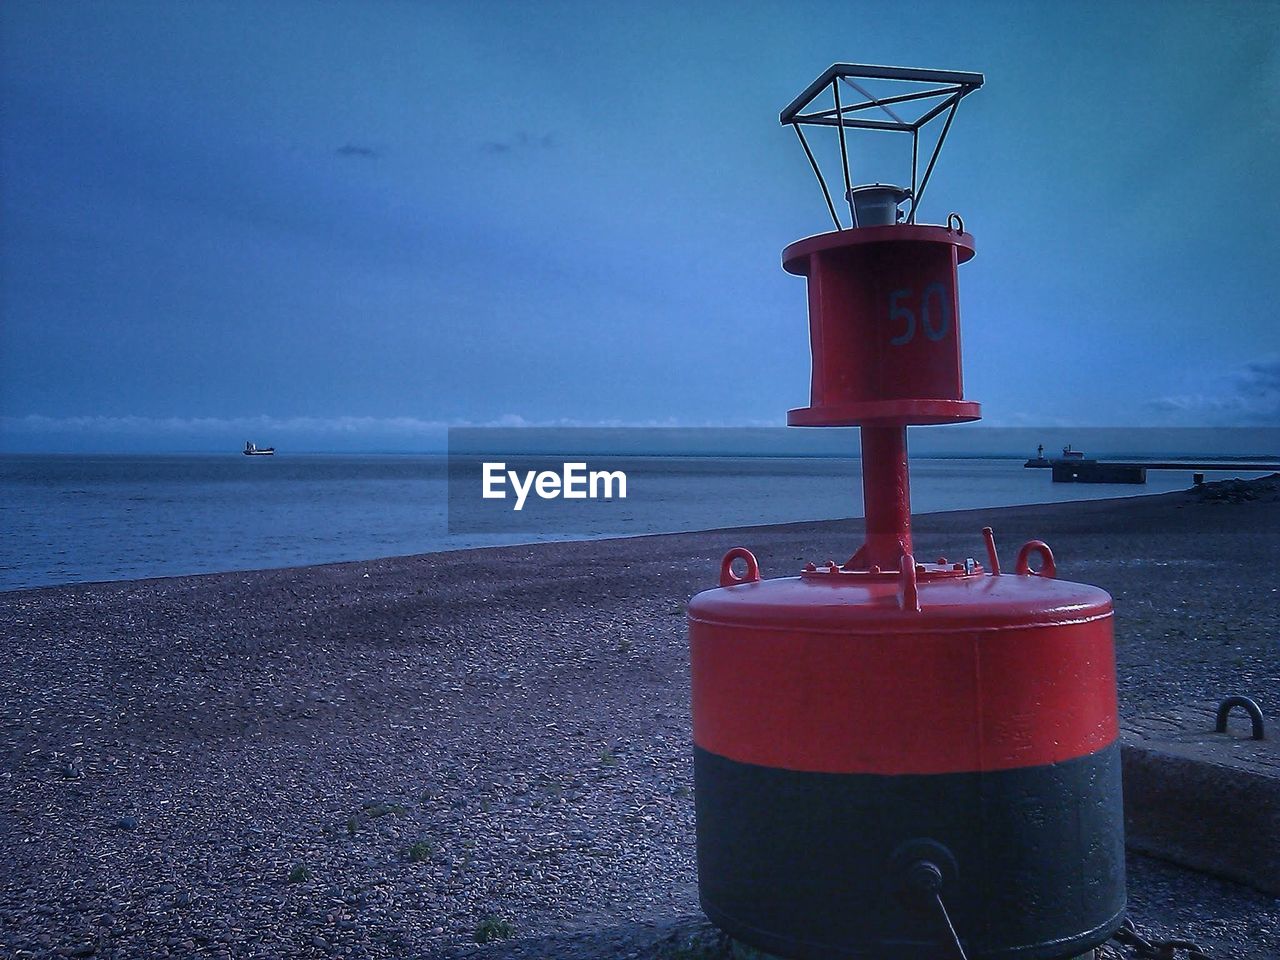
{"x": 842, "y": 736}
{"x": 884, "y": 325}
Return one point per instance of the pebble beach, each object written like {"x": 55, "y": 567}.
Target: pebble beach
{"x": 487, "y": 751}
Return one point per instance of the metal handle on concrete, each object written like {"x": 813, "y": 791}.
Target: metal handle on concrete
{"x": 1251, "y": 706}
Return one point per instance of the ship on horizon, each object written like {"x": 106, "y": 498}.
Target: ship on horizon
{"x": 1068, "y": 456}
{"x": 251, "y": 450}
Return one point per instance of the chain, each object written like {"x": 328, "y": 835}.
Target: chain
{"x": 946, "y": 917}
{"x": 1144, "y": 949}
{"x": 1127, "y": 936}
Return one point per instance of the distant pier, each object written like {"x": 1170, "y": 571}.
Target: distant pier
{"x": 1109, "y": 471}
{"x": 1074, "y": 467}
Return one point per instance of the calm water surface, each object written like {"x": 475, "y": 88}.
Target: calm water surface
{"x": 68, "y": 519}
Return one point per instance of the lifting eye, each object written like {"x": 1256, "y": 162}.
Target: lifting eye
{"x": 1047, "y": 567}
{"x": 739, "y": 566}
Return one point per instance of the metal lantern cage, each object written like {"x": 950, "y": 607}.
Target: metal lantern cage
{"x": 927, "y": 95}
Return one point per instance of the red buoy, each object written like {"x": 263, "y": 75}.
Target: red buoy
{"x": 884, "y": 325}
{"x": 896, "y": 758}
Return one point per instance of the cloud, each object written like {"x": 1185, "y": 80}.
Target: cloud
{"x": 519, "y": 142}
{"x": 355, "y": 150}
{"x": 1250, "y": 395}
{"x": 265, "y": 426}
{"x": 1020, "y": 418}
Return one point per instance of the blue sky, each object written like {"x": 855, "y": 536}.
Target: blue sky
{"x": 347, "y": 224}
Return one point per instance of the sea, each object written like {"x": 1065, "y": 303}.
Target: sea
{"x": 79, "y": 518}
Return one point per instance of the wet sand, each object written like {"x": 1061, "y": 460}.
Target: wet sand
{"x": 380, "y": 759}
